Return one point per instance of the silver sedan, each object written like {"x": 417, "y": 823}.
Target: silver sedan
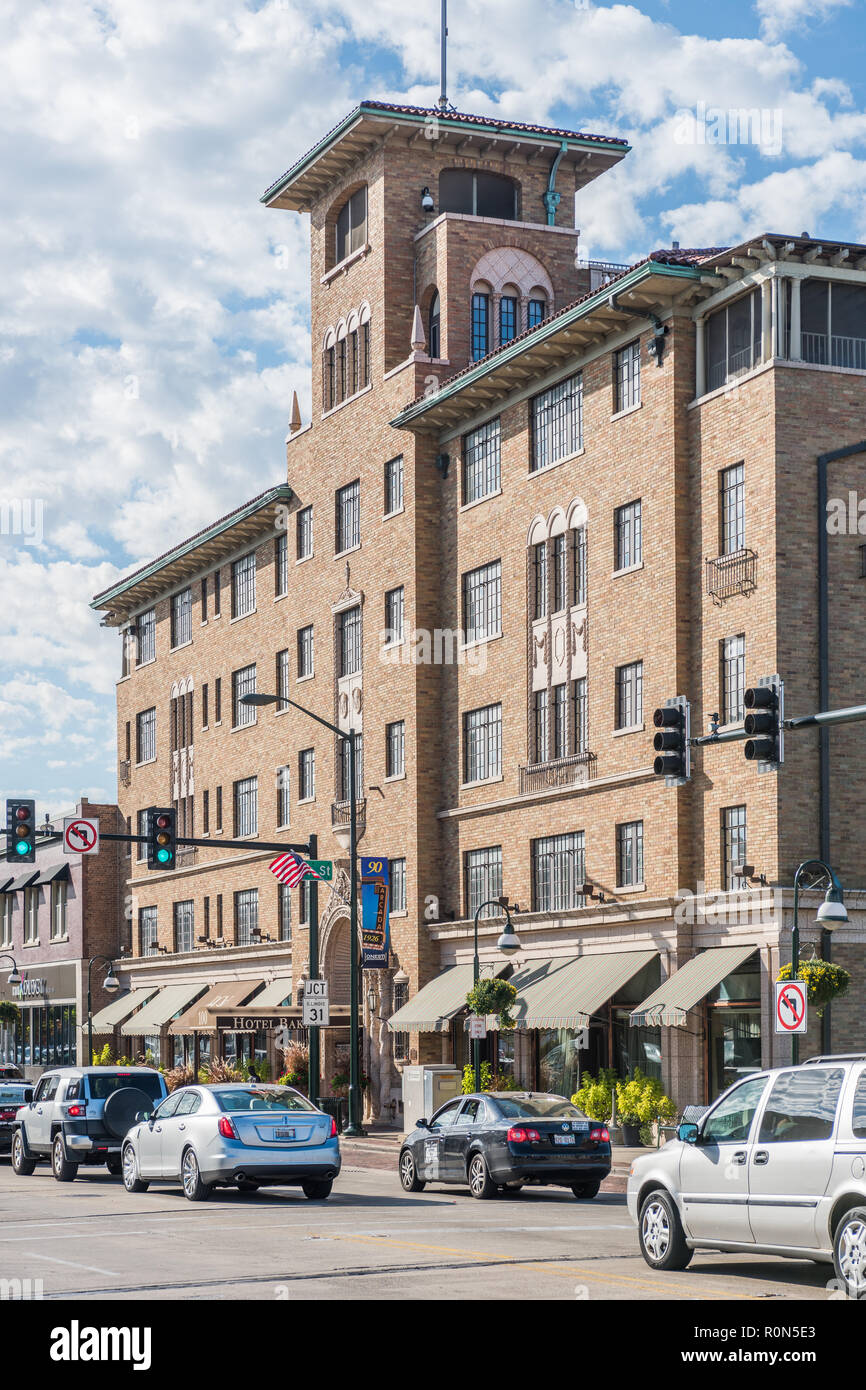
{"x": 243, "y": 1134}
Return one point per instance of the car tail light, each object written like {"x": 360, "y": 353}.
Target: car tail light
{"x": 8, "y": 1114}
{"x": 523, "y": 1136}
{"x": 599, "y": 1136}
{"x": 226, "y": 1128}
{"x": 76, "y": 1111}
{"x": 333, "y": 1133}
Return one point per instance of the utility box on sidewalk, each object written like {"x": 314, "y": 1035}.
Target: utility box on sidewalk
{"x": 425, "y": 1089}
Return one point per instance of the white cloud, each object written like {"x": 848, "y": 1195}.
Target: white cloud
{"x": 778, "y": 17}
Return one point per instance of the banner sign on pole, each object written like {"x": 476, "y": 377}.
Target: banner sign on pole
{"x": 375, "y": 913}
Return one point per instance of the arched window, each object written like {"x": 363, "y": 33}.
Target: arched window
{"x": 352, "y": 224}
{"x": 329, "y": 371}
{"x": 480, "y": 322}
{"x": 433, "y": 334}
{"x": 509, "y": 305}
{"x": 478, "y": 193}
{"x": 536, "y": 309}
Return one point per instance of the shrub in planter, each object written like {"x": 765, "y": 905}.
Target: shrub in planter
{"x": 490, "y": 1080}
{"x": 179, "y": 1076}
{"x": 218, "y": 1070}
{"x": 825, "y": 981}
{"x": 493, "y": 997}
{"x": 594, "y": 1095}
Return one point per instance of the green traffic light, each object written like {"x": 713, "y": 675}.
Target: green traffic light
{"x": 23, "y": 847}
{"x": 163, "y": 855}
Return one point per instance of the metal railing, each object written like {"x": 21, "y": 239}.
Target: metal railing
{"x": 732, "y": 574}
{"x": 836, "y": 350}
{"x": 559, "y": 772}
{"x": 341, "y": 811}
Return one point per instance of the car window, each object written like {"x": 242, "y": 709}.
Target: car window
{"x": 73, "y": 1088}
{"x": 732, "y": 1118}
{"x": 188, "y": 1103}
{"x": 168, "y": 1107}
{"x": 41, "y": 1088}
{"x": 12, "y": 1095}
{"x": 101, "y": 1086}
{"x": 858, "y": 1118}
{"x": 540, "y": 1107}
{"x": 469, "y": 1114}
{"x": 271, "y": 1098}
{"x": 802, "y": 1106}
{"x": 446, "y": 1116}
{"x": 51, "y": 1090}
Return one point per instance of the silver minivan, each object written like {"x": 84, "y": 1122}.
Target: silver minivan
{"x": 777, "y": 1166}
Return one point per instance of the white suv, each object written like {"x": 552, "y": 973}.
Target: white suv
{"x": 776, "y": 1166}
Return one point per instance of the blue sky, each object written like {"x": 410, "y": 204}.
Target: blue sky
{"x": 153, "y": 316}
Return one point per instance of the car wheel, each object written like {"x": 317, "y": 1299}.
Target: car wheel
{"x": 480, "y": 1182}
{"x": 660, "y": 1233}
{"x": 409, "y": 1173}
{"x": 585, "y": 1189}
{"x": 193, "y": 1188}
{"x": 131, "y": 1181}
{"x": 114, "y": 1165}
{"x": 317, "y": 1189}
{"x": 849, "y": 1252}
{"x": 21, "y": 1164}
{"x": 63, "y": 1170}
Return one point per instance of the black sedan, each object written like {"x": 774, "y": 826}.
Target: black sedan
{"x": 13, "y": 1094}
{"x": 502, "y": 1139}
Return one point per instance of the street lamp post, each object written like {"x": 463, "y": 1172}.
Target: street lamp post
{"x": 508, "y": 943}
{"x": 831, "y": 911}
{"x": 111, "y": 983}
{"x": 14, "y": 978}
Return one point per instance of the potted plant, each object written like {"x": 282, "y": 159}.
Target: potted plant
{"x": 825, "y": 981}
{"x": 493, "y": 997}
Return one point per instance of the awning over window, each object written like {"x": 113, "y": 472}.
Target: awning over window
{"x": 55, "y": 873}
{"x": 23, "y": 881}
{"x": 275, "y": 994}
{"x": 168, "y": 1002}
{"x": 670, "y": 1003}
{"x": 434, "y": 1006}
{"x": 108, "y": 1018}
{"x": 228, "y": 995}
{"x": 566, "y": 992}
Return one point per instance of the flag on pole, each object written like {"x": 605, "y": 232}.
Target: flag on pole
{"x": 288, "y": 868}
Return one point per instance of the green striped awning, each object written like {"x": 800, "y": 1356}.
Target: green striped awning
{"x": 686, "y": 987}
{"x": 434, "y": 1006}
{"x": 119, "y": 1009}
{"x": 564, "y": 992}
{"x": 164, "y": 1006}
{"x": 278, "y": 992}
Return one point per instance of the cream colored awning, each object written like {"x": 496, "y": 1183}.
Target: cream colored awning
{"x": 565, "y": 992}
{"x": 228, "y": 995}
{"x": 275, "y": 994}
{"x": 168, "y": 1002}
{"x": 686, "y": 987}
{"x": 434, "y": 1006}
{"x": 108, "y": 1018}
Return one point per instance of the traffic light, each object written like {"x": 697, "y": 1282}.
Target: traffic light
{"x": 765, "y": 702}
{"x": 671, "y": 743}
{"x": 21, "y": 832}
{"x": 161, "y": 837}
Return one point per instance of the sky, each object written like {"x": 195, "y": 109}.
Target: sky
{"x": 154, "y": 316}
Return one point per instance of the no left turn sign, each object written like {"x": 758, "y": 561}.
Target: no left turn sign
{"x": 80, "y": 836}
{"x": 792, "y": 1009}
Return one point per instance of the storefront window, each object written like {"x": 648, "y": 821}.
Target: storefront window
{"x": 559, "y": 1061}
{"x": 505, "y": 1051}
{"x": 734, "y": 1032}
{"x": 45, "y": 1036}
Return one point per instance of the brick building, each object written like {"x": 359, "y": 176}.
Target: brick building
{"x": 536, "y": 498}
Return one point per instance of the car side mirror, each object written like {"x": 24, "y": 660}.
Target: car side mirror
{"x": 142, "y": 1117}
{"x": 687, "y": 1133}
{"x": 422, "y": 1124}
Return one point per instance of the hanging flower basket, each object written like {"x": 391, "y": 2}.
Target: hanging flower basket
{"x": 824, "y": 980}
{"x": 493, "y": 997}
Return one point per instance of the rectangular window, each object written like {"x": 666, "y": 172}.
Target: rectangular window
{"x": 205, "y": 813}
{"x": 558, "y": 872}
{"x": 395, "y": 602}
{"x": 398, "y": 885}
{"x": 244, "y": 586}
{"x": 7, "y": 903}
{"x": 483, "y": 880}
{"x": 629, "y": 695}
{"x": 145, "y": 736}
{"x": 395, "y": 749}
{"x": 246, "y": 916}
{"x": 304, "y": 535}
{"x": 204, "y": 706}
{"x": 217, "y": 700}
{"x": 58, "y": 910}
{"x": 243, "y": 683}
{"x": 629, "y": 854}
{"x": 560, "y": 572}
{"x": 400, "y": 1041}
{"x": 557, "y": 423}
{"x": 732, "y": 509}
{"x": 579, "y": 565}
{"x": 204, "y": 599}
{"x": 578, "y": 716}
{"x": 481, "y": 462}
{"x": 304, "y": 901}
{"x": 539, "y": 580}
{"x": 283, "y": 798}
{"x": 541, "y": 726}
{"x": 558, "y": 746}
{"x": 307, "y": 774}
{"x": 184, "y": 929}
{"x": 394, "y": 486}
{"x": 536, "y": 311}
{"x": 480, "y": 326}
{"x": 217, "y": 593}
{"x": 482, "y": 602}
{"x": 141, "y": 848}
{"x": 628, "y": 536}
{"x": 305, "y": 652}
{"x": 246, "y": 807}
{"x": 507, "y": 319}
{"x": 145, "y": 637}
{"x": 284, "y": 911}
{"x": 482, "y": 743}
{"x": 626, "y": 377}
{"x": 207, "y": 918}
{"x": 344, "y": 764}
{"x": 733, "y": 340}
{"x": 348, "y": 516}
{"x": 147, "y": 931}
{"x": 733, "y": 846}
{"x": 349, "y": 642}
{"x": 733, "y": 678}
{"x": 352, "y": 225}
{"x": 283, "y": 678}
{"x": 31, "y": 915}
{"x": 281, "y": 565}
{"x": 181, "y": 618}
{"x": 219, "y": 809}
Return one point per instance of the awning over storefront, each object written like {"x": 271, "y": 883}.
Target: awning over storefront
{"x": 168, "y": 1002}
{"x": 22, "y": 881}
{"x": 686, "y": 987}
{"x": 108, "y": 1018}
{"x": 228, "y": 995}
{"x": 55, "y": 873}
{"x": 434, "y": 1006}
{"x": 275, "y": 994}
{"x": 566, "y": 992}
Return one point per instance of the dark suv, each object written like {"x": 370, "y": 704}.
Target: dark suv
{"x": 81, "y": 1115}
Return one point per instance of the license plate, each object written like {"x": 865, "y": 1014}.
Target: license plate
{"x": 563, "y": 1139}
{"x": 284, "y": 1134}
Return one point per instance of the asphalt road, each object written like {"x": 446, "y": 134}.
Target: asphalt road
{"x": 91, "y": 1240}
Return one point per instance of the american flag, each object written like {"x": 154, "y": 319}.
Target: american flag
{"x": 289, "y": 869}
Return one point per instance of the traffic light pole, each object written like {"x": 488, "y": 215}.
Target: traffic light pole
{"x": 268, "y": 845}
{"x": 314, "y": 1060}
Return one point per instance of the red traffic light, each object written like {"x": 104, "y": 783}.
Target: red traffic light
{"x": 22, "y": 813}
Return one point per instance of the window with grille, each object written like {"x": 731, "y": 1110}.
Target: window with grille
{"x": 147, "y": 931}
{"x": 304, "y": 901}
{"x": 184, "y": 930}
{"x": 507, "y": 318}
{"x": 579, "y": 572}
{"x": 558, "y": 872}
{"x": 246, "y": 807}
{"x": 629, "y": 695}
{"x": 541, "y": 725}
{"x": 145, "y": 637}
{"x": 283, "y": 798}
{"x": 243, "y": 683}
{"x": 536, "y": 312}
{"x": 344, "y": 763}
{"x": 732, "y": 509}
{"x": 284, "y": 911}
{"x": 217, "y": 593}
{"x": 482, "y": 743}
{"x": 283, "y": 678}
{"x": 204, "y": 706}
{"x": 145, "y": 736}
{"x": 244, "y": 586}
{"x": 31, "y": 916}
{"x": 400, "y": 1041}
{"x": 304, "y": 533}
{"x": 578, "y": 716}
{"x": 395, "y": 749}
{"x": 205, "y": 812}
{"x": 483, "y": 870}
{"x": 434, "y": 325}
{"x": 394, "y": 485}
{"x": 204, "y": 599}
{"x": 141, "y": 847}
{"x": 481, "y": 462}
{"x": 733, "y": 660}
{"x": 480, "y": 326}
{"x": 733, "y": 846}
{"x": 539, "y": 577}
{"x": 629, "y": 854}
{"x": 305, "y": 652}
{"x": 733, "y": 340}
{"x": 628, "y": 536}
{"x": 349, "y": 641}
{"x": 394, "y": 614}
{"x": 181, "y": 618}
{"x": 348, "y": 516}
{"x": 58, "y": 910}
{"x": 482, "y": 602}
{"x": 246, "y": 915}
{"x": 626, "y": 368}
{"x": 560, "y": 572}
{"x": 352, "y": 225}
{"x": 219, "y": 808}
{"x": 306, "y": 774}
{"x": 559, "y": 721}
{"x": 398, "y": 885}
{"x": 281, "y": 565}
{"x": 217, "y": 700}
{"x": 557, "y": 423}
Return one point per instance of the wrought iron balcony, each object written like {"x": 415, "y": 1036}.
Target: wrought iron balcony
{"x": 732, "y": 574}
{"x": 341, "y": 812}
{"x": 559, "y": 772}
